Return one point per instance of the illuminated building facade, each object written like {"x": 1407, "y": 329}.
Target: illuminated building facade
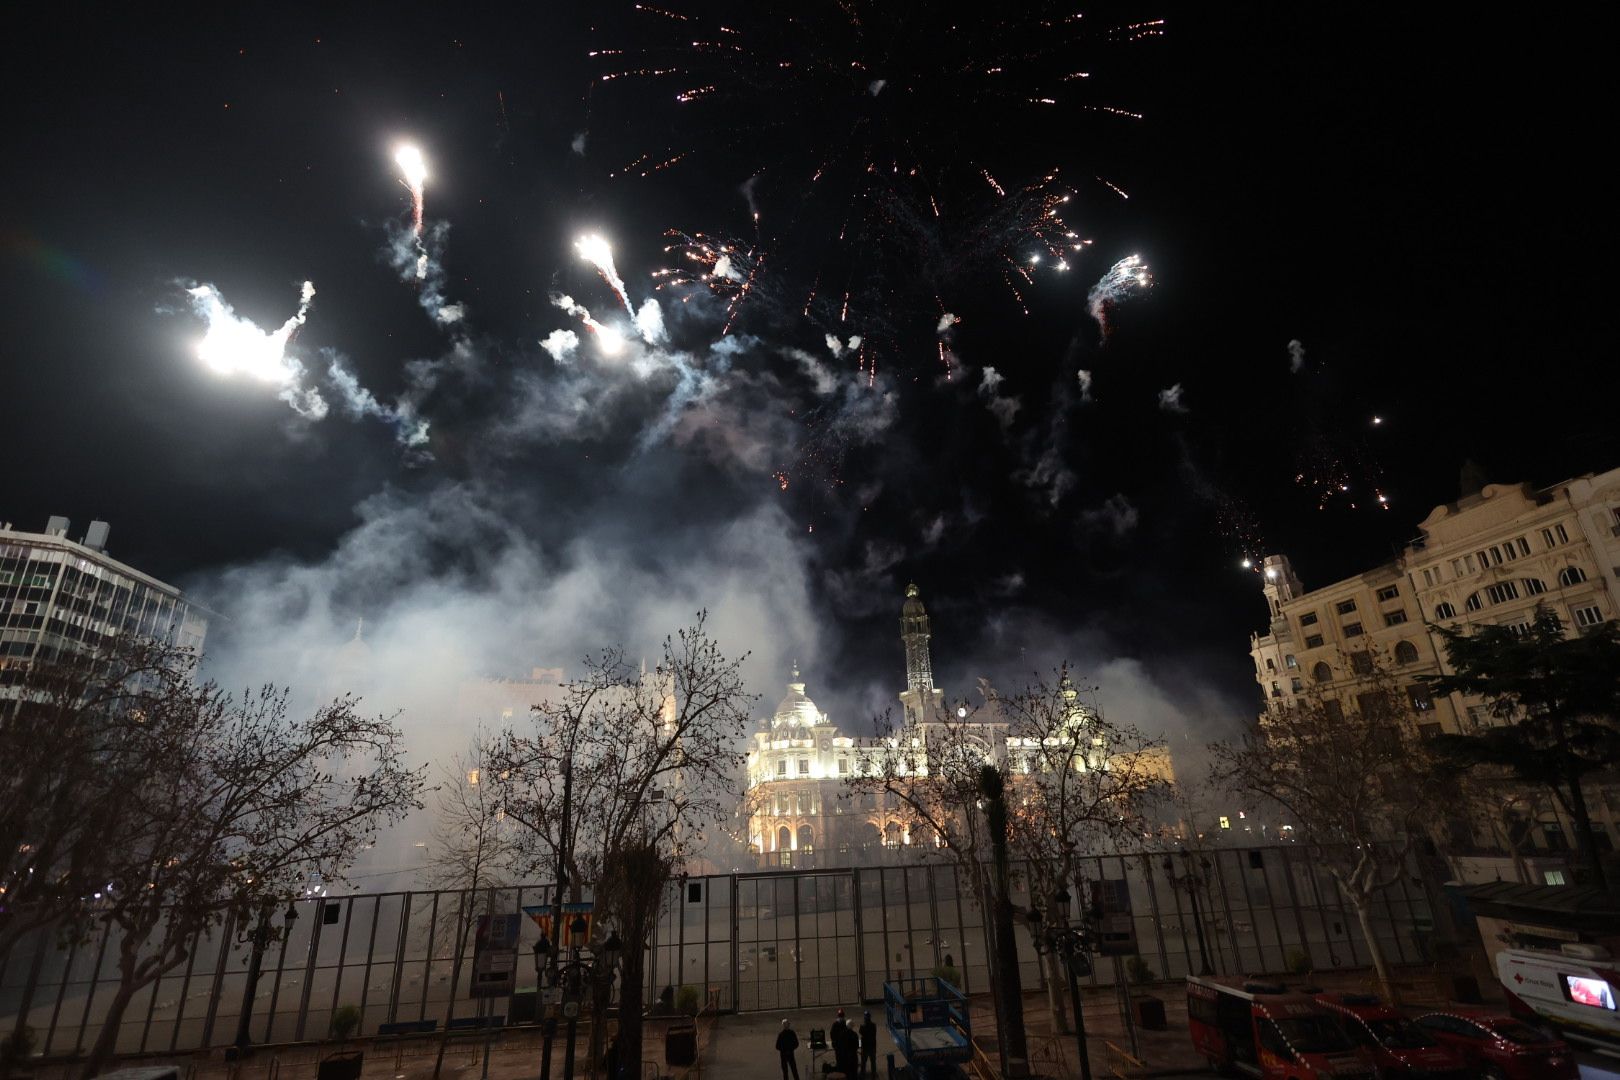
{"x": 799, "y": 810}
{"x": 1491, "y": 558}
{"x": 59, "y": 595}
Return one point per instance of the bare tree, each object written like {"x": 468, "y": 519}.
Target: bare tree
{"x": 647, "y": 759}
{"x": 1080, "y": 784}
{"x": 1359, "y": 785}
{"x": 932, "y": 769}
{"x": 248, "y": 806}
{"x": 76, "y": 747}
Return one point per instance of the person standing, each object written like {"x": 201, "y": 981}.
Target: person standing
{"x": 843, "y": 1041}
{"x": 787, "y": 1044}
{"x": 868, "y": 1043}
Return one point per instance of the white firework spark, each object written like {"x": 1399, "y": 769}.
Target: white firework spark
{"x": 599, "y": 253}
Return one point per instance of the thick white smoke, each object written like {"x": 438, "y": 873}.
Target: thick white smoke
{"x": 1170, "y": 399}
{"x": 1296, "y": 356}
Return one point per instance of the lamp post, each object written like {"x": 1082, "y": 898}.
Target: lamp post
{"x": 1070, "y": 946}
{"x": 260, "y": 938}
{"x": 1193, "y": 882}
{"x": 545, "y": 953}
{"x": 578, "y": 973}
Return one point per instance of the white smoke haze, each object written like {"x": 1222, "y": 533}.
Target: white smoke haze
{"x": 1170, "y": 399}
{"x": 560, "y": 345}
{"x": 1003, "y": 407}
{"x": 649, "y": 322}
{"x": 418, "y": 260}
{"x": 747, "y": 190}
{"x": 1083, "y": 377}
{"x": 1296, "y": 356}
{"x": 577, "y": 143}
{"x": 1116, "y": 515}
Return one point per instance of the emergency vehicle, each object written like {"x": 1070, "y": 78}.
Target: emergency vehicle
{"x": 1399, "y": 1048}
{"x": 1261, "y": 1029}
{"x": 1573, "y": 989}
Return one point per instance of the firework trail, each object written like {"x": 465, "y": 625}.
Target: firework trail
{"x": 1125, "y": 277}
{"x": 599, "y": 253}
{"x": 608, "y": 339}
{"x": 413, "y": 169}
{"x": 234, "y": 345}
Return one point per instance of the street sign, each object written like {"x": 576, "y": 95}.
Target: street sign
{"x": 1116, "y": 925}
{"x": 494, "y": 970}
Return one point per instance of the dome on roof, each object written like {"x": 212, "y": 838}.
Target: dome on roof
{"x": 796, "y": 709}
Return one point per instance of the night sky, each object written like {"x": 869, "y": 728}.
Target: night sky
{"x": 1409, "y": 195}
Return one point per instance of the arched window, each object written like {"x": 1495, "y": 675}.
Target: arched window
{"x": 784, "y": 839}
{"x": 1444, "y": 610}
{"x": 806, "y": 838}
{"x": 1473, "y": 603}
{"x": 1405, "y": 652}
{"x": 1321, "y": 672}
{"x": 891, "y": 834}
{"x": 1571, "y": 575}
{"x": 871, "y": 836}
{"x": 1534, "y": 586}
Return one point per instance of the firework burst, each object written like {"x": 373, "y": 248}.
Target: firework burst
{"x": 884, "y": 159}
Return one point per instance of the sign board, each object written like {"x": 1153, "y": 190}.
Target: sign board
{"x": 1116, "y": 926}
{"x": 495, "y": 951}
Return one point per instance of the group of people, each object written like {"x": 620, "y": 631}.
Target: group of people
{"x": 854, "y": 1049}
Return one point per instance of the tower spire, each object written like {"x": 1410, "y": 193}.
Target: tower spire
{"x": 914, "y": 635}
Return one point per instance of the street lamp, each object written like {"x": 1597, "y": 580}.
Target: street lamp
{"x": 1068, "y": 944}
{"x": 580, "y": 972}
{"x": 260, "y": 938}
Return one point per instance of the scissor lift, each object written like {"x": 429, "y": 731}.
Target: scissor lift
{"x": 928, "y": 1019}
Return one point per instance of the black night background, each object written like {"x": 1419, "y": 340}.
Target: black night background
{"x": 1411, "y": 194}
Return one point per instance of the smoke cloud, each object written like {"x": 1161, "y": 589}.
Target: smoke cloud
{"x": 1170, "y": 399}
{"x": 1296, "y": 356}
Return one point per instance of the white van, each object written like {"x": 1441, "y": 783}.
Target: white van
{"x": 1576, "y": 989}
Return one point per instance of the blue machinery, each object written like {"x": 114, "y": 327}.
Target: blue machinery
{"x": 928, "y": 1019}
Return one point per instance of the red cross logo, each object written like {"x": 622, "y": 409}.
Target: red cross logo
{"x": 1518, "y": 978}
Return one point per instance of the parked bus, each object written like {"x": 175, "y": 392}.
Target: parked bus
{"x": 1261, "y": 1029}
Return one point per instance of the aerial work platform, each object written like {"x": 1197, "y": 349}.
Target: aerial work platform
{"x": 928, "y": 1020}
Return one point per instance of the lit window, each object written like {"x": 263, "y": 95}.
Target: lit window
{"x": 1226, "y": 822}
{"x": 1553, "y": 877}
{"x": 1588, "y": 616}
{"x": 472, "y": 777}
{"x": 1571, "y": 575}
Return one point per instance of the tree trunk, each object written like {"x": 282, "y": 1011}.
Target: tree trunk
{"x": 630, "y": 1009}
{"x": 1583, "y": 834}
{"x": 1055, "y": 997}
{"x": 106, "y": 1044}
{"x": 1363, "y": 908}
